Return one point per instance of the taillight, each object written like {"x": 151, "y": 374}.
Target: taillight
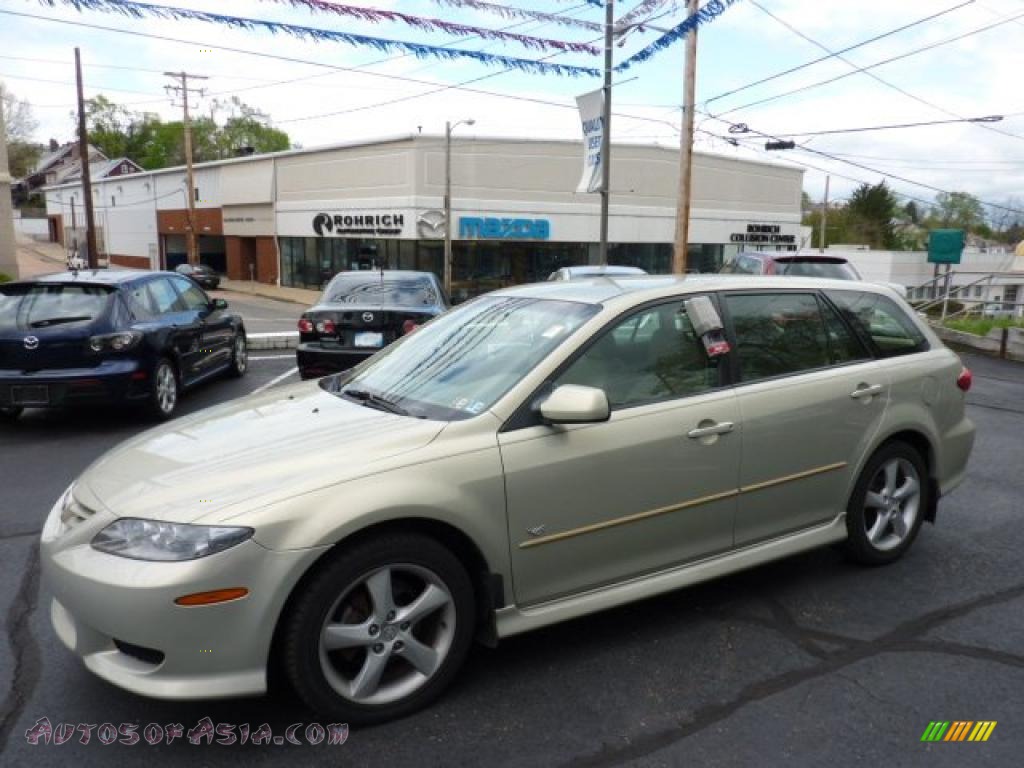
{"x": 325, "y": 326}
{"x": 305, "y": 326}
{"x": 965, "y": 379}
{"x": 409, "y": 326}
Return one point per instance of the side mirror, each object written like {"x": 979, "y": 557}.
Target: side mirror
{"x": 572, "y": 404}
{"x": 220, "y": 304}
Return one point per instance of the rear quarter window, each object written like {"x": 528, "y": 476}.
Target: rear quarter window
{"x": 881, "y": 322}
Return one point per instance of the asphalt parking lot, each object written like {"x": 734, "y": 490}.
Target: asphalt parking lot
{"x": 810, "y": 661}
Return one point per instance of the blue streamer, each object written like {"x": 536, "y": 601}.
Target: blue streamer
{"x": 385, "y": 45}
{"x": 705, "y": 15}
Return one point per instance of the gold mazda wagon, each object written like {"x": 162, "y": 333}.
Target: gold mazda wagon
{"x": 533, "y": 455}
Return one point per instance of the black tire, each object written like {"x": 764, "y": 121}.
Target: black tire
{"x": 162, "y": 407}
{"x": 331, "y": 592}
{"x": 11, "y": 413}
{"x": 239, "y": 357}
{"x": 871, "y": 540}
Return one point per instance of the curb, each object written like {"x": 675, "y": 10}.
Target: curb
{"x": 263, "y": 341}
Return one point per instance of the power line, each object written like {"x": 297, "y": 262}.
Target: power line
{"x": 859, "y": 70}
{"x": 988, "y": 119}
{"x": 835, "y": 158}
{"x": 876, "y": 77}
{"x": 853, "y": 47}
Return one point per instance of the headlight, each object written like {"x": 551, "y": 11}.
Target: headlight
{"x": 152, "y": 540}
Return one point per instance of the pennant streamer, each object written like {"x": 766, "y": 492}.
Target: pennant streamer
{"x": 644, "y": 9}
{"x": 705, "y": 15}
{"x": 439, "y": 25}
{"x": 420, "y": 50}
{"x": 509, "y": 12}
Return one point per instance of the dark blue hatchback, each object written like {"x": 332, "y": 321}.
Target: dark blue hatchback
{"x": 105, "y": 336}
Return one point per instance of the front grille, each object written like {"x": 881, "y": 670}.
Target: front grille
{"x": 147, "y": 655}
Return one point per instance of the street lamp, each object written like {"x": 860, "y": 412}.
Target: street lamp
{"x": 448, "y": 128}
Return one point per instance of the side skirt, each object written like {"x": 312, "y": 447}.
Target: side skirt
{"x": 513, "y": 620}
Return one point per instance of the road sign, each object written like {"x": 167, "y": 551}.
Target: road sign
{"x": 945, "y": 246}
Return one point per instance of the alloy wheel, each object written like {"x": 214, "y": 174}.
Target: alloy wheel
{"x": 166, "y": 389}
{"x": 241, "y": 354}
{"x": 387, "y": 634}
{"x": 892, "y": 504}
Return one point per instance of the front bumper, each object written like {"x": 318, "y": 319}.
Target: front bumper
{"x": 112, "y": 381}
{"x": 106, "y": 608}
{"x": 315, "y": 359}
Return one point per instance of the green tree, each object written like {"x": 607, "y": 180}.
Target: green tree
{"x": 154, "y": 144}
{"x": 871, "y": 210}
{"x": 959, "y": 210}
{"x": 22, "y": 151}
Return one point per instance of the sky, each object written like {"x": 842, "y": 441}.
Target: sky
{"x": 975, "y": 76}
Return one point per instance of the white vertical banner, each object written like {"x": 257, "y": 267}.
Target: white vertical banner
{"x": 591, "y": 106}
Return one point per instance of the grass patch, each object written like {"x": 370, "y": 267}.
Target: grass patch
{"x": 980, "y": 326}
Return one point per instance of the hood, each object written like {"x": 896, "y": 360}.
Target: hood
{"x": 247, "y": 453}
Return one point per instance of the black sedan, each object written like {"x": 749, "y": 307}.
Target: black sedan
{"x": 362, "y": 312}
{"x": 201, "y": 273}
{"x": 104, "y": 336}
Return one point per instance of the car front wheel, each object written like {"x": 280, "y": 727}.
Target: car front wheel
{"x": 380, "y": 630}
{"x": 888, "y": 505}
{"x": 239, "y": 355}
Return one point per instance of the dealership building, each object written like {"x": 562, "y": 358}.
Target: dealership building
{"x": 296, "y": 218}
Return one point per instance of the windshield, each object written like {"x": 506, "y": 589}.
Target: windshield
{"x": 832, "y": 269}
{"x": 40, "y": 305}
{"x": 377, "y": 289}
{"x": 458, "y": 365}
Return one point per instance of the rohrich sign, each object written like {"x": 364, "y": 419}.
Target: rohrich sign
{"x": 342, "y": 224}
{"x": 763, "y": 234}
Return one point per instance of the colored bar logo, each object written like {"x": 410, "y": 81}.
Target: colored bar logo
{"x": 958, "y": 730}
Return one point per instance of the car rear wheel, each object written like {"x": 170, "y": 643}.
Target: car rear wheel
{"x": 239, "y": 355}
{"x": 380, "y": 630}
{"x": 888, "y": 505}
{"x": 163, "y": 398}
{"x": 11, "y": 413}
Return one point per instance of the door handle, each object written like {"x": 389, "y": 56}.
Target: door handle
{"x": 721, "y": 428}
{"x": 866, "y": 391}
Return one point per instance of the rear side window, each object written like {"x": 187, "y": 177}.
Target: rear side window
{"x": 162, "y": 296}
{"x": 42, "y": 305}
{"x": 882, "y": 321}
{"x": 778, "y": 334}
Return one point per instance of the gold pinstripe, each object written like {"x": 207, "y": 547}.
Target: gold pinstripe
{"x": 638, "y": 516}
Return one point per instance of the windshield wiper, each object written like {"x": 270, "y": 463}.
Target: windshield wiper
{"x": 58, "y": 320}
{"x": 371, "y": 400}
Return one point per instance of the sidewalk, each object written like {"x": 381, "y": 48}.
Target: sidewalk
{"x": 279, "y": 293}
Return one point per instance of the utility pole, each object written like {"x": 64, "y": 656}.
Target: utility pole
{"x": 686, "y": 149}
{"x": 183, "y": 91}
{"x": 824, "y": 218}
{"x": 448, "y": 262}
{"x": 8, "y": 256}
{"x": 606, "y": 130}
{"x": 83, "y": 151}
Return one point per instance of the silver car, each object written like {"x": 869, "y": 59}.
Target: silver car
{"x": 536, "y": 454}
{"x": 594, "y": 270}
